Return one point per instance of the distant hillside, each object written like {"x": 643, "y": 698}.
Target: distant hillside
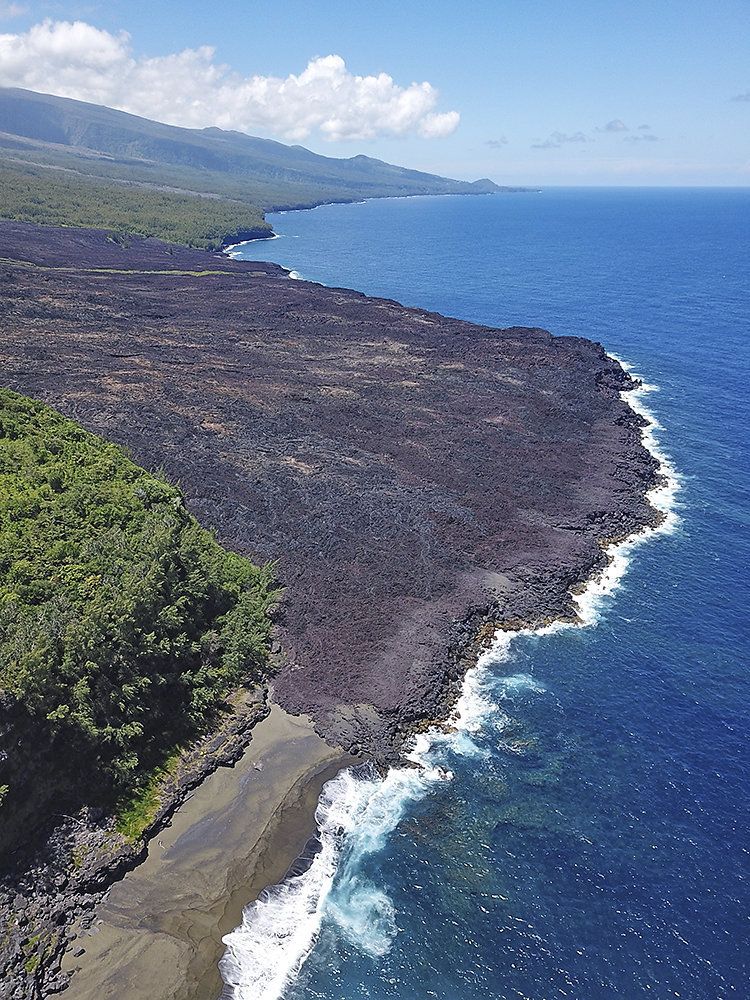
{"x": 95, "y": 154}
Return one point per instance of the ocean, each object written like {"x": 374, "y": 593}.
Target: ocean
{"x": 584, "y": 829}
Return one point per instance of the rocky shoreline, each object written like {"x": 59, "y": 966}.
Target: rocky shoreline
{"x": 421, "y": 481}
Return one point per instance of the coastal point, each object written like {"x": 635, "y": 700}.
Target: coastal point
{"x": 418, "y": 481}
{"x": 415, "y": 477}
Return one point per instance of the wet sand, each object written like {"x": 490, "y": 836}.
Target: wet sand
{"x": 157, "y": 935}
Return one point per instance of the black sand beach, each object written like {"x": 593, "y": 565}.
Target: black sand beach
{"x": 158, "y": 932}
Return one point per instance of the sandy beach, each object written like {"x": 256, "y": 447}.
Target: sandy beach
{"x": 157, "y": 935}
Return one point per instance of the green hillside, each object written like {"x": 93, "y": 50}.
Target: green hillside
{"x": 68, "y": 162}
{"x": 33, "y": 193}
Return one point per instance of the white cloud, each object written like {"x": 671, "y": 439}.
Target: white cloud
{"x": 189, "y": 88}
{"x": 435, "y": 126}
{"x": 558, "y": 139}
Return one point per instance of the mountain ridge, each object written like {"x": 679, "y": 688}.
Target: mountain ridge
{"x": 274, "y": 175}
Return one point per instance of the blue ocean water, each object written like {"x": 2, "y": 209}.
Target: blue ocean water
{"x": 584, "y": 832}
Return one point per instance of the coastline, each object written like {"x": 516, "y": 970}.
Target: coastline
{"x": 157, "y": 933}
{"x": 189, "y": 401}
{"x": 418, "y": 767}
{"x": 161, "y": 943}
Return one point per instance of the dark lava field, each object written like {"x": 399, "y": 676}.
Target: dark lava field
{"x": 416, "y": 477}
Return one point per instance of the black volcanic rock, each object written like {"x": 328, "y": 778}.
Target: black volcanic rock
{"x": 418, "y": 478}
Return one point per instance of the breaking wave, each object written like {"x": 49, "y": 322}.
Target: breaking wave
{"x": 356, "y": 813}
{"x": 359, "y": 809}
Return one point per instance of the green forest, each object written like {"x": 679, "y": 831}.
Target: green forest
{"x": 30, "y": 193}
{"x": 65, "y": 162}
{"x": 123, "y": 623}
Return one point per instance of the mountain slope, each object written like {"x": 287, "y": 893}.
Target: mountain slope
{"x": 106, "y": 143}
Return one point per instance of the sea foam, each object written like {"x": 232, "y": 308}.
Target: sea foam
{"x": 356, "y": 813}
{"x": 662, "y": 497}
{"x": 358, "y": 810}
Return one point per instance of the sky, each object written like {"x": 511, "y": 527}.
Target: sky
{"x": 525, "y": 92}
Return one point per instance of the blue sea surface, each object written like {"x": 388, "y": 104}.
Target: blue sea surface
{"x": 584, "y": 832}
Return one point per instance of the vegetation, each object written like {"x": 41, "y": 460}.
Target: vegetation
{"x": 65, "y": 162}
{"x": 31, "y": 193}
{"x": 123, "y": 623}
{"x": 137, "y": 809}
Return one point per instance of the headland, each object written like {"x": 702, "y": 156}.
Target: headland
{"x": 420, "y": 481}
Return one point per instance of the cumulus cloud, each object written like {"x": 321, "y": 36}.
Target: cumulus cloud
{"x": 558, "y": 139}
{"x": 189, "y": 88}
{"x": 614, "y": 126}
{"x": 435, "y": 126}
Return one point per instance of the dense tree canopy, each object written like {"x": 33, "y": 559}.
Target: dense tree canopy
{"x": 123, "y": 623}
{"x": 30, "y": 193}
